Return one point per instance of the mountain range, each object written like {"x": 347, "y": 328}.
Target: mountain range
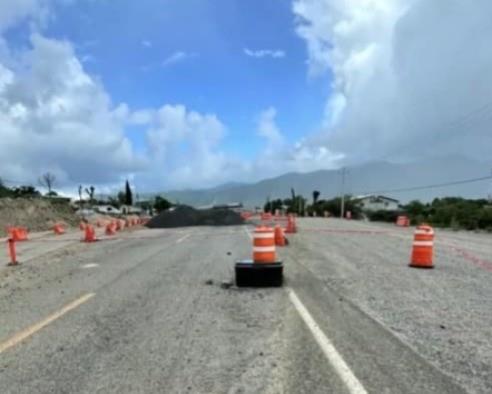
{"x": 382, "y": 178}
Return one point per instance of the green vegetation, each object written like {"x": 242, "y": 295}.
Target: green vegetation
{"x": 452, "y": 212}
{"x": 161, "y": 204}
{"x": 20, "y": 191}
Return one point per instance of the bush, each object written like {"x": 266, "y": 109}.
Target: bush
{"x": 382, "y": 216}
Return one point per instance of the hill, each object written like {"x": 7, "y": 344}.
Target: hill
{"x": 376, "y": 177}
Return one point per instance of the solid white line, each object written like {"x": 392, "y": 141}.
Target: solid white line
{"x": 182, "y": 238}
{"x": 26, "y": 333}
{"x": 331, "y": 353}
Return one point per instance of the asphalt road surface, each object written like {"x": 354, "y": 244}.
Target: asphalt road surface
{"x": 148, "y": 313}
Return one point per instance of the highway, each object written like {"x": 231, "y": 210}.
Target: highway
{"x": 152, "y": 312}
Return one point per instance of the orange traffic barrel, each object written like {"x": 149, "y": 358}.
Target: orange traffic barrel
{"x": 279, "y": 236}
{"x": 423, "y": 245}
{"x": 264, "y": 245}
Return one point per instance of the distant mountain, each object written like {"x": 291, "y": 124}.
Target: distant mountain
{"x": 371, "y": 178}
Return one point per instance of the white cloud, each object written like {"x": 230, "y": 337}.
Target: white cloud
{"x": 410, "y": 78}
{"x": 146, "y": 44}
{"x": 56, "y": 117}
{"x": 15, "y": 11}
{"x": 260, "y": 53}
{"x": 178, "y": 57}
{"x": 184, "y": 147}
{"x": 268, "y": 129}
{"x": 278, "y": 156}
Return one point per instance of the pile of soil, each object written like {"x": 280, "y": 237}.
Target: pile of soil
{"x": 36, "y": 214}
{"x": 183, "y": 216}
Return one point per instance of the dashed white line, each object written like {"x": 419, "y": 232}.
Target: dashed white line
{"x": 353, "y": 385}
{"x": 182, "y": 238}
{"x": 90, "y": 265}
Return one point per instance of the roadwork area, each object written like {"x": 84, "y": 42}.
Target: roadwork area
{"x": 155, "y": 311}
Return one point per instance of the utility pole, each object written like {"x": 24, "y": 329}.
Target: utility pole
{"x": 490, "y": 190}
{"x": 342, "y": 205}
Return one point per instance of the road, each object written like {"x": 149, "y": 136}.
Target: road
{"x": 146, "y": 313}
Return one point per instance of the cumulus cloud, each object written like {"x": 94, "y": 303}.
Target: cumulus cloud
{"x": 184, "y": 147}
{"x": 410, "y": 78}
{"x": 15, "y": 11}
{"x": 178, "y": 57}
{"x": 56, "y": 118}
{"x": 261, "y": 53}
{"x": 278, "y": 156}
{"x": 267, "y": 127}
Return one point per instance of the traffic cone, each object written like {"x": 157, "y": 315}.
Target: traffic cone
{"x": 111, "y": 229}
{"x": 58, "y": 229}
{"x": 423, "y": 246}
{"x": 90, "y": 234}
{"x": 279, "y": 236}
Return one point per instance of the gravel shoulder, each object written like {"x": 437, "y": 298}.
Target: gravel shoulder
{"x": 443, "y": 313}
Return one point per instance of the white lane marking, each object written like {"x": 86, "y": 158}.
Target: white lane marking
{"x": 182, "y": 238}
{"x": 90, "y": 265}
{"x": 29, "y": 331}
{"x": 342, "y": 369}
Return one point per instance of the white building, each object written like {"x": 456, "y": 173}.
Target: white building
{"x": 131, "y": 210}
{"x": 107, "y": 209}
{"x": 377, "y": 203}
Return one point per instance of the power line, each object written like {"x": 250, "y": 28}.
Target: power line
{"x": 432, "y": 186}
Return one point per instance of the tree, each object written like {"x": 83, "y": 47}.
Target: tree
{"x": 26, "y": 191}
{"x": 90, "y": 192}
{"x": 121, "y": 198}
{"x": 48, "y": 180}
{"x": 161, "y": 204}
{"x": 4, "y": 190}
{"x": 273, "y": 205}
{"x": 316, "y": 194}
{"x": 80, "y": 194}
{"x": 128, "y": 194}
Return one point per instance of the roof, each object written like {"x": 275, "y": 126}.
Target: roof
{"x": 379, "y": 197}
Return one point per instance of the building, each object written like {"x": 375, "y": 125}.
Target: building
{"x": 107, "y": 209}
{"x": 131, "y": 210}
{"x": 377, "y": 203}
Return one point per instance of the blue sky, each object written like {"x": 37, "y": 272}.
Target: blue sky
{"x": 126, "y": 46}
{"x": 195, "y": 93}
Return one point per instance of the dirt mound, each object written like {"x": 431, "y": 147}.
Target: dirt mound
{"x": 183, "y": 216}
{"x": 36, "y": 214}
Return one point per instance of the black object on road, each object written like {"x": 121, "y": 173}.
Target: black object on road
{"x": 250, "y": 274}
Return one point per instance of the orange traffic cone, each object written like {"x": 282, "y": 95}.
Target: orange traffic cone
{"x": 90, "y": 234}
{"x": 58, "y": 229}
{"x": 111, "y": 229}
{"x": 423, "y": 245}
{"x": 279, "y": 236}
